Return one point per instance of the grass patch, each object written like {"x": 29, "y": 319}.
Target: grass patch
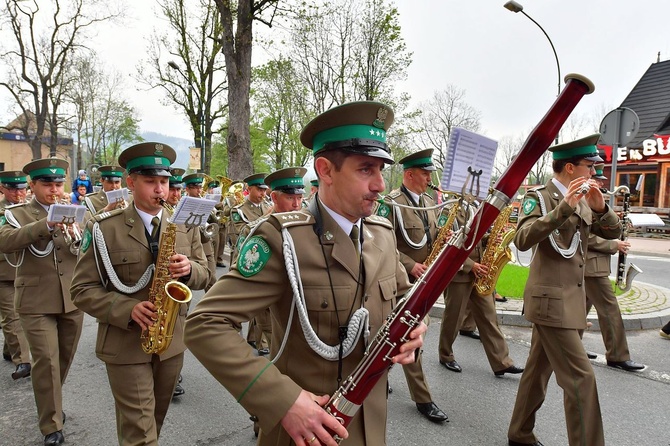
{"x": 513, "y": 279}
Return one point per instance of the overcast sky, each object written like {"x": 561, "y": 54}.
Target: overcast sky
{"x": 500, "y": 58}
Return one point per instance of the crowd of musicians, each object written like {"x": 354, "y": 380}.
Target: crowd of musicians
{"x": 313, "y": 273}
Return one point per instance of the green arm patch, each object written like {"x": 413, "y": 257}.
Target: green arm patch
{"x": 236, "y": 217}
{"x": 86, "y": 240}
{"x": 253, "y": 257}
{"x": 528, "y": 205}
{"x": 384, "y": 210}
{"x": 3, "y": 220}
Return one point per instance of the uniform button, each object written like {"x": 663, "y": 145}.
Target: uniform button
{"x": 581, "y": 266}
{"x": 57, "y": 248}
{"x": 60, "y": 261}
{"x": 324, "y": 304}
{"x": 125, "y": 259}
{"x": 60, "y": 274}
{"x": 579, "y": 284}
{"x": 395, "y": 292}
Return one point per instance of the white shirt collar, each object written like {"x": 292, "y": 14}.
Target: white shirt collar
{"x": 342, "y": 222}
{"x": 562, "y": 189}
{"x": 146, "y": 218}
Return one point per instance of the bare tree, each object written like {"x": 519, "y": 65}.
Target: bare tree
{"x": 191, "y": 73}
{"x": 236, "y": 41}
{"x": 40, "y": 59}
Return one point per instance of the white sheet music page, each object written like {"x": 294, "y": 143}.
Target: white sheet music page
{"x": 114, "y": 195}
{"x": 215, "y": 197}
{"x": 468, "y": 150}
{"x": 66, "y": 213}
{"x": 192, "y": 211}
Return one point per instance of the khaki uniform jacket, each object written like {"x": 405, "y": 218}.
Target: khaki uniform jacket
{"x": 95, "y": 201}
{"x": 412, "y": 227}
{"x": 599, "y": 257}
{"x": 7, "y": 271}
{"x": 118, "y": 339}
{"x": 464, "y": 275}
{"x": 42, "y": 283}
{"x": 268, "y": 390}
{"x": 554, "y": 295}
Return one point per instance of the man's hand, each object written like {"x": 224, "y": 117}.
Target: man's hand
{"x": 144, "y": 314}
{"x": 418, "y": 269}
{"x": 623, "y": 246}
{"x": 179, "y": 266}
{"x": 480, "y": 270}
{"x": 594, "y": 198}
{"x": 406, "y": 355}
{"x": 306, "y": 421}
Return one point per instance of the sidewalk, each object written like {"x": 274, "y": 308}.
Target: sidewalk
{"x": 644, "y": 307}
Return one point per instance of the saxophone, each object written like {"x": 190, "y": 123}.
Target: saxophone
{"x": 444, "y": 234}
{"x": 497, "y": 252}
{"x": 166, "y": 294}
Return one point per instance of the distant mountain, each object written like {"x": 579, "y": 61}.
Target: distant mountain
{"x": 180, "y": 145}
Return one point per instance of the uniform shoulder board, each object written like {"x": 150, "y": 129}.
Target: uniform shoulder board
{"x": 105, "y": 215}
{"x": 377, "y": 220}
{"x": 294, "y": 218}
{"x": 14, "y": 206}
{"x": 91, "y": 194}
{"x": 537, "y": 188}
{"x": 394, "y": 194}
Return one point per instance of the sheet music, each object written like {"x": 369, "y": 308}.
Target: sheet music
{"x": 468, "y": 149}
{"x": 114, "y": 195}
{"x": 215, "y": 197}
{"x": 66, "y": 213}
{"x": 192, "y": 211}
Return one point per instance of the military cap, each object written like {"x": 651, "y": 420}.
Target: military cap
{"x": 13, "y": 179}
{"x": 355, "y": 127}
{"x": 289, "y": 180}
{"x": 213, "y": 183}
{"x": 148, "y": 158}
{"x": 111, "y": 173}
{"x": 599, "y": 172}
{"x": 314, "y": 183}
{"x": 47, "y": 169}
{"x": 175, "y": 179}
{"x": 194, "y": 178}
{"x": 422, "y": 159}
{"x": 256, "y": 180}
{"x": 584, "y": 148}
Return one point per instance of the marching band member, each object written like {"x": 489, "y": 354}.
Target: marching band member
{"x": 110, "y": 177}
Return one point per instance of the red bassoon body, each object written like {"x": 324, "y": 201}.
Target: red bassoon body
{"x": 410, "y": 311}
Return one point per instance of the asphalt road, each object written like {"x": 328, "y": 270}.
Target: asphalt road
{"x": 479, "y": 405}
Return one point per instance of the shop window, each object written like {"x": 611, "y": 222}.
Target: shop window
{"x": 647, "y": 183}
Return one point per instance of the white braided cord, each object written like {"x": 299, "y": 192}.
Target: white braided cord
{"x": 574, "y": 243}
{"x": 36, "y": 252}
{"x": 99, "y": 243}
{"x": 358, "y": 324}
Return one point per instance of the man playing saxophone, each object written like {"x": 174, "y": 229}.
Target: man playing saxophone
{"x": 415, "y": 231}
{"x": 599, "y": 293}
{"x": 112, "y": 282}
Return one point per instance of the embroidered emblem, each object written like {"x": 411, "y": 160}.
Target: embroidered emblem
{"x": 3, "y": 220}
{"x": 381, "y": 116}
{"x": 236, "y": 217}
{"x": 86, "y": 241}
{"x": 158, "y": 149}
{"x": 441, "y": 221}
{"x": 253, "y": 257}
{"x": 384, "y": 210}
{"x": 528, "y": 205}
{"x": 53, "y": 162}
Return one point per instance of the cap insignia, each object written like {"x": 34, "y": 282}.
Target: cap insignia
{"x": 53, "y": 162}
{"x": 381, "y": 116}
{"x": 159, "y": 149}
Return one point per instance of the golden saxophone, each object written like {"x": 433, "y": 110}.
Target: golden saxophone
{"x": 167, "y": 295}
{"x": 497, "y": 252}
{"x": 444, "y": 233}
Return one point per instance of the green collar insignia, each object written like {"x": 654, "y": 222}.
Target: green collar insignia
{"x": 253, "y": 257}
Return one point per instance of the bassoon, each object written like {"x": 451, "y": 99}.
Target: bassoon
{"x": 411, "y": 310}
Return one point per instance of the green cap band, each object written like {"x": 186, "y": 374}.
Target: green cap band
{"x": 152, "y": 162}
{"x": 599, "y": 171}
{"x": 347, "y": 132}
{"x": 194, "y": 180}
{"x": 418, "y": 162}
{"x": 256, "y": 182}
{"x": 47, "y": 171}
{"x": 577, "y": 151}
{"x": 111, "y": 174}
{"x": 14, "y": 180}
{"x": 295, "y": 182}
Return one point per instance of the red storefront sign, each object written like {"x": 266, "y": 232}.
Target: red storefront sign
{"x": 655, "y": 149}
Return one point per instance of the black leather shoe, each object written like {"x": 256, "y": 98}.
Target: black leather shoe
{"x": 22, "y": 371}
{"x": 221, "y": 264}
{"x": 7, "y": 357}
{"x": 511, "y": 369}
{"x": 516, "y": 443}
{"x": 432, "y": 412}
{"x": 629, "y": 366}
{"x": 453, "y": 366}
{"x": 178, "y": 391}
{"x": 54, "y": 438}
{"x": 469, "y": 334}
{"x": 263, "y": 352}
{"x": 591, "y": 355}
{"x": 179, "y": 379}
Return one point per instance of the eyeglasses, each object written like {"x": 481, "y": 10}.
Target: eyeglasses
{"x": 588, "y": 166}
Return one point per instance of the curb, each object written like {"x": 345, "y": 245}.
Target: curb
{"x": 640, "y": 321}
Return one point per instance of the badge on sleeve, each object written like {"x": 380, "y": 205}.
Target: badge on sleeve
{"x": 528, "y": 205}
{"x": 86, "y": 240}
{"x": 384, "y": 210}
{"x": 236, "y": 217}
{"x": 253, "y": 257}
{"x": 3, "y": 220}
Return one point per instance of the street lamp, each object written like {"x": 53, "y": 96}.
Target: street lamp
{"x": 172, "y": 64}
{"x": 517, "y": 7}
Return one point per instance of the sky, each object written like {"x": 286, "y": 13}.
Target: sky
{"x": 501, "y": 59}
